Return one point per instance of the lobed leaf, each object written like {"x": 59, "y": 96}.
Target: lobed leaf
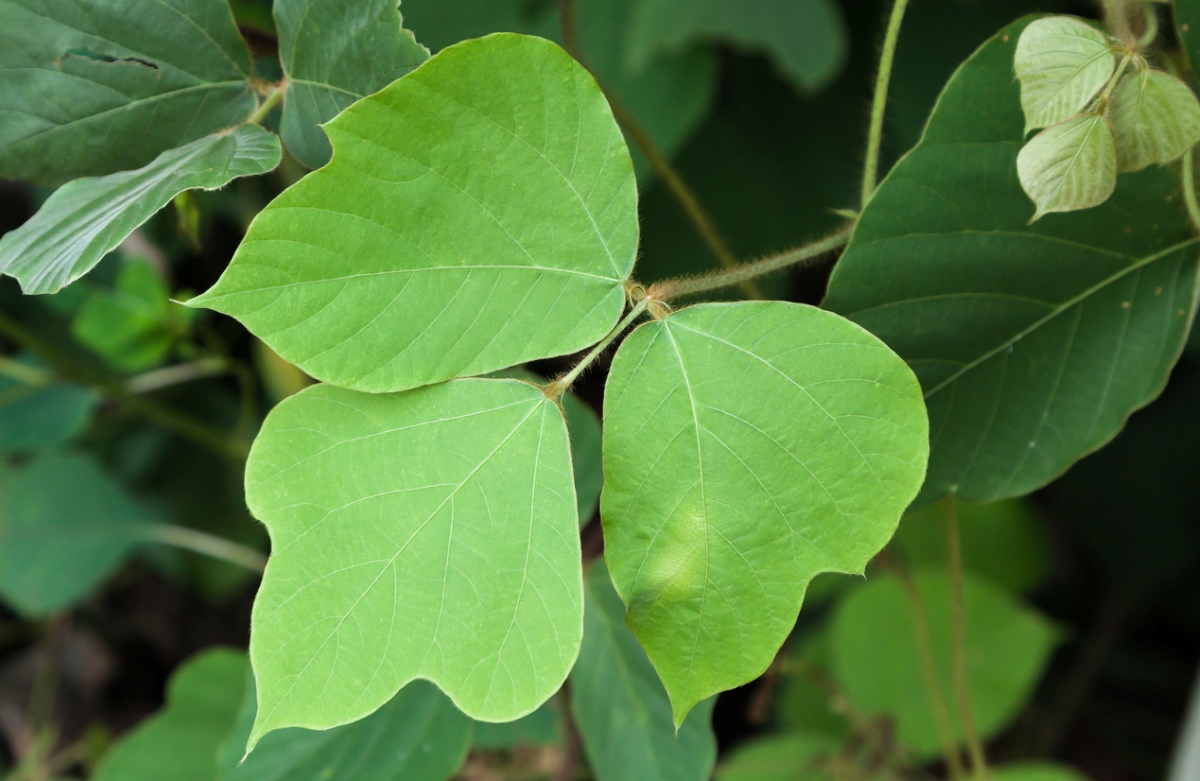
{"x": 333, "y": 54}
{"x": 86, "y": 219}
{"x": 620, "y": 706}
{"x": 1032, "y": 342}
{"x": 1070, "y": 166}
{"x": 1062, "y": 63}
{"x": 91, "y": 87}
{"x": 479, "y": 213}
{"x": 747, "y": 447}
{"x": 1156, "y": 119}
{"x": 429, "y": 534}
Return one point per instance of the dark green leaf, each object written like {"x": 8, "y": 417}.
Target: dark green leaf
{"x": 84, "y": 220}
{"x": 796, "y": 757}
{"x": 334, "y": 53}
{"x": 1032, "y": 343}
{"x": 92, "y": 87}
{"x": 540, "y": 728}
{"x": 36, "y": 414}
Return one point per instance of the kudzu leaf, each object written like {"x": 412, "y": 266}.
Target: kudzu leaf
{"x": 788, "y": 757}
{"x": 91, "y": 87}
{"x": 428, "y": 534}
{"x": 1032, "y": 342}
{"x": 64, "y": 527}
{"x": 620, "y": 706}
{"x": 334, "y": 53}
{"x": 417, "y": 736}
{"x": 1187, "y": 19}
{"x": 1037, "y": 771}
{"x": 180, "y": 742}
{"x": 34, "y": 416}
{"x": 540, "y": 728}
{"x": 1062, "y": 63}
{"x": 747, "y": 447}
{"x": 1071, "y": 166}
{"x": 806, "y": 38}
{"x": 1156, "y": 119}
{"x": 478, "y": 213}
{"x": 131, "y": 326}
{"x": 877, "y": 665}
{"x": 86, "y": 219}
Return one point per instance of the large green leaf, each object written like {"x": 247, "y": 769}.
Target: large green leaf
{"x": 621, "y": 707}
{"x": 478, "y": 213}
{"x": 334, "y": 53}
{"x": 1062, "y": 63}
{"x": 417, "y": 736}
{"x": 427, "y": 534}
{"x": 748, "y": 447}
{"x": 1032, "y": 342}
{"x": 93, "y": 86}
{"x": 181, "y": 741}
{"x": 876, "y": 661}
{"x": 806, "y": 38}
{"x": 64, "y": 526}
{"x": 85, "y": 219}
{"x": 1156, "y": 118}
{"x": 36, "y": 415}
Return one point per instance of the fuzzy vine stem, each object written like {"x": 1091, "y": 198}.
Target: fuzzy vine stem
{"x": 701, "y": 220}
{"x": 207, "y": 544}
{"x": 675, "y": 288}
{"x": 1189, "y": 187}
{"x": 879, "y": 103}
{"x": 966, "y": 713}
{"x": 274, "y": 95}
{"x": 564, "y": 383}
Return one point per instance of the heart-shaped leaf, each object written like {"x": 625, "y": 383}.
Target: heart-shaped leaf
{"x": 478, "y": 213}
{"x": 748, "y": 447}
{"x": 1032, "y": 342}
{"x": 1156, "y": 118}
{"x": 1070, "y": 166}
{"x": 1062, "y": 63}
{"x": 428, "y": 534}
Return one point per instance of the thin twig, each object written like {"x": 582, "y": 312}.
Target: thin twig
{"x": 274, "y": 95}
{"x": 207, "y": 544}
{"x": 966, "y": 713}
{"x": 879, "y": 104}
{"x": 564, "y": 383}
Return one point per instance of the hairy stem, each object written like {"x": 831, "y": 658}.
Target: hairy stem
{"x": 274, "y": 95}
{"x": 1189, "y": 187}
{"x": 966, "y": 713}
{"x": 165, "y": 417}
{"x": 564, "y": 383}
{"x": 879, "y": 104}
{"x": 207, "y": 544}
{"x": 675, "y": 288}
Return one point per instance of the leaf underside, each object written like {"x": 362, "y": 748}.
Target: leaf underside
{"x": 1069, "y": 167}
{"x": 1156, "y": 119}
{"x": 1062, "y": 63}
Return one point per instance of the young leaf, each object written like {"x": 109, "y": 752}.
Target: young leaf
{"x": 84, "y": 220}
{"x": 428, "y": 534}
{"x": 417, "y": 736}
{"x": 131, "y": 326}
{"x": 478, "y": 213}
{"x": 1062, "y": 63}
{"x": 877, "y": 664}
{"x": 748, "y": 447}
{"x": 621, "y": 707}
{"x": 1156, "y": 119}
{"x": 91, "y": 87}
{"x": 806, "y": 38}
{"x": 1038, "y": 771}
{"x": 1032, "y": 343}
{"x": 180, "y": 742}
{"x": 334, "y": 53}
{"x": 34, "y": 416}
{"x": 64, "y": 526}
{"x": 1071, "y": 166}
{"x": 792, "y": 757}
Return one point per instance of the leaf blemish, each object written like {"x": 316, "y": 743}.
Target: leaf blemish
{"x": 95, "y": 56}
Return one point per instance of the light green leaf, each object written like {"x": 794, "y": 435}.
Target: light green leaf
{"x": 35, "y": 415}
{"x": 417, "y": 736}
{"x": 806, "y": 38}
{"x": 1071, "y": 166}
{"x": 64, "y": 526}
{"x": 479, "y": 213}
{"x": 85, "y": 219}
{"x": 1032, "y": 343}
{"x": 92, "y": 87}
{"x": 792, "y": 757}
{"x": 1187, "y": 20}
{"x": 1006, "y": 542}
{"x": 747, "y": 447}
{"x": 1156, "y": 118}
{"x": 180, "y": 742}
{"x": 334, "y": 53}
{"x": 1062, "y": 63}
{"x": 540, "y": 728}
{"x": 1039, "y": 771}
{"x": 131, "y": 326}
{"x": 621, "y": 707}
{"x": 428, "y": 534}
{"x": 876, "y": 663}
